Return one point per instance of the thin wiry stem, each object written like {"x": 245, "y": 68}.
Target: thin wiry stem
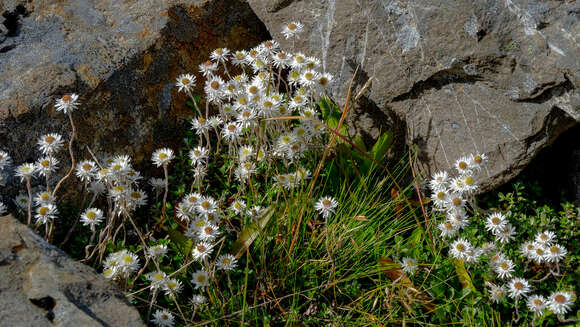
{"x": 72, "y": 156}
{"x": 29, "y": 188}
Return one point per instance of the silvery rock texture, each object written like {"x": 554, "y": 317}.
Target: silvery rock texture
{"x": 41, "y": 286}
{"x": 493, "y": 76}
{"x": 121, "y": 57}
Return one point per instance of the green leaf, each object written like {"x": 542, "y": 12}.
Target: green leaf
{"x": 183, "y": 243}
{"x": 251, "y": 232}
{"x": 382, "y": 146}
{"x": 359, "y": 142}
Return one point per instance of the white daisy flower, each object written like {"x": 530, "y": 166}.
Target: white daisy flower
{"x": 537, "y": 304}
{"x": 527, "y": 249}
{"x": 46, "y": 213}
{"x": 239, "y": 58}
{"x": 231, "y": 131}
{"x": 46, "y": 165}
{"x": 21, "y": 201}
{"x": 281, "y": 59}
{"x": 463, "y": 164}
{"x": 191, "y": 200}
{"x": 324, "y": 80}
{"x": 497, "y": 293}
{"x": 245, "y": 153}
{"x": 409, "y": 265}
{"x": 128, "y": 262}
{"x": 202, "y": 250}
{"x": 506, "y": 234}
{"x": 539, "y": 253}
{"x": 200, "y": 125}
{"x": 43, "y": 198}
{"x": 214, "y": 87}
{"x": 172, "y": 287}
{"x": 518, "y": 287}
{"x": 244, "y": 171}
{"x": 326, "y": 206}
{"x": 309, "y": 77}
{"x": 460, "y": 249}
{"x": 215, "y": 122}
{"x": 86, "y": 170}
{"x": 439, "y": 181}
{"x": 208, "y": 68}
{"x": 560, "y": 302}
{"x": 292, "y": 29}
{"x": 184, "y": 212}
{"x": 163, "y": 318}
{"x": 198, "y": 300}
{"x": 220, "y": 55}
{"x": 68, "y": 103}
{"x": 185, "y": 83}
{"x": 458, "y": 218}
{"x": 206, "y": 205}
{"x": 555, "y": 253}
{"x": 92, "y": 217}
{"x": 440, "y": 199}
{"x": 448, "y": 229}
{"x": 226, "y": 262}
{"x": 26, "y": 171}
{"x": 157, "y": 251}
{"x": 255, "y": 212}
{"x": 238, "y": 206}
{"x": 200, "y": 278}
{"x": 478, "y": 161}
{"x": 455, "y": 202}
{"x": 5, "y": 159}
{"x": 208, "y": 233}
{"x": 504, "y": 269}
{"x": 157, "y": 183}
{"x": 162, "y": 157}
{"x": 496, "y": 259}
{"x": 198, "y": 155}
{"x": 157, "y": 279}
{"x": 545, "y": 238}
{"x": 495, "y": 222}
{"x": 97, "y": 188}
{"x": 270, "y": 46}
{"x": 50, "y": 144}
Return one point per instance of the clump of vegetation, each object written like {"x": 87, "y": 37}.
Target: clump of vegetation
{"x": 271, "y": 214}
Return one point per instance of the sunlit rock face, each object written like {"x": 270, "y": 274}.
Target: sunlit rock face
{"x": 494, "y": 76}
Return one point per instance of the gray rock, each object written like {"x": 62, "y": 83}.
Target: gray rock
{"x": 41, "y": 286}
{"x": 122, "y": 57}
{"x": 493, "y": 76}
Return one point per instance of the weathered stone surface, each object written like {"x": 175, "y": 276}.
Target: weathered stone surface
{"x": 41, "y": 286}
{"x": 493, "y": 76}
{"x": 122, "y": 57}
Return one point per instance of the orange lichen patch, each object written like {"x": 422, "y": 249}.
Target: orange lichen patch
{"x": 144, "y": 32}
{"x": 173, "y": 15}
{"x": 84, "y": 71}
{"x": 163, "y": 14}
{"x": 147, "y": 60}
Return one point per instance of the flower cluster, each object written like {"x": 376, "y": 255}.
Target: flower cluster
{"x": 452, "y": 196}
